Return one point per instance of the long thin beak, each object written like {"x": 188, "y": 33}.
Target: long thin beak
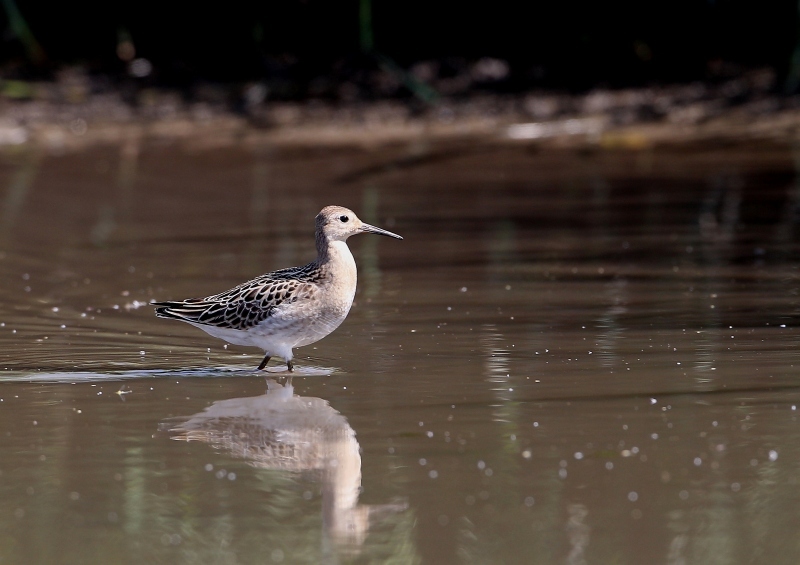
{"x": 366, "y": 228}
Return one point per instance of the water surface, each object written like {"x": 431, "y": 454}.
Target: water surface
{"x": 573, "y": 357}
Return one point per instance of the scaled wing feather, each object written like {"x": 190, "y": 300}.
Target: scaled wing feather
{"x": 246, "y": 305}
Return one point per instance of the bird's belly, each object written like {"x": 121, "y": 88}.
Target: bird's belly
{"x": 298, "y": 331}
{"x": 236, "y": 337}
{"x": 300, "y": 324}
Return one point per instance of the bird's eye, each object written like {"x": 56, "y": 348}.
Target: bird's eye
{"x": 343, "y": 218}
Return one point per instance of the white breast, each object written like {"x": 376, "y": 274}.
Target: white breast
{"x": 307, "y": 321}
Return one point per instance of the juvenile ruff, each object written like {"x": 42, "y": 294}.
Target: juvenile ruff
{"x": 288, "y": 308}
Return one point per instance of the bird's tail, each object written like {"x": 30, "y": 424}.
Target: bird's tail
{"x": 187, "y": 310}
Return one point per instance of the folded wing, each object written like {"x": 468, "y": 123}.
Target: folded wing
{"x": 241, "y": 307}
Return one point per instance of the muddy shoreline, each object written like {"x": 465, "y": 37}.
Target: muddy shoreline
{"x": 69, "y": 115}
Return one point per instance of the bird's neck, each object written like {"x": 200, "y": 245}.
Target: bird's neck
{"x": 335, "y": 255}
{"x": 322, "y": 247}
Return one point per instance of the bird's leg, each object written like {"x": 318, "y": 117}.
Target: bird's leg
{"x": 290, "y": 366}
{"x": 264, "y": 362}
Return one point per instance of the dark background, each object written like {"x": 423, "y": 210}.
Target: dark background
{"x": 563, "y": 45}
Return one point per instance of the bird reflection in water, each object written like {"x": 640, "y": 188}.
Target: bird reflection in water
{"x": 283, "y": 431}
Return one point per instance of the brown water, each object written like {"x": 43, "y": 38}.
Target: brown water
{"x": 573, "y": 357}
